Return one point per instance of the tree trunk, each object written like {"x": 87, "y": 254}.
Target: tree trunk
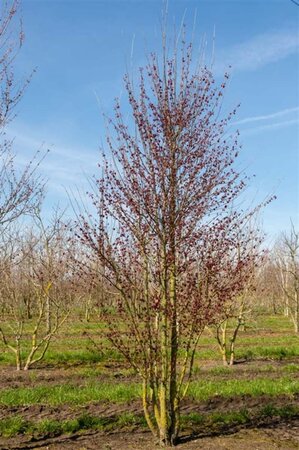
{"x": 173, "y": 400}
{"x": 18, "y": 355}
{"x": 48, "y": 315}
{"x": 296, "y": 315}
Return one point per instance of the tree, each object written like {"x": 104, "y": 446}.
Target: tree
{"x": 268, "y": 287}
{"x": 165, "y": 233}
{"x": 36, "y": 289}
{"x": 287, "y": 263}
{"x": 236, "y": 311}
{"x": 20, "y": 190}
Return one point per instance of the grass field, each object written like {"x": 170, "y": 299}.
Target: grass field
{"x": 81, "y": 386}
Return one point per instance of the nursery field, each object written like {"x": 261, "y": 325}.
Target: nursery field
{"x": 83, "y": 395}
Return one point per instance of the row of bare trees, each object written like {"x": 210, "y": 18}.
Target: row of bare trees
{"x": 30, "y": 275}
{"x": 279, "y": 279}
{"x": 36, "y": 290}
{"x": 45, "y": 275}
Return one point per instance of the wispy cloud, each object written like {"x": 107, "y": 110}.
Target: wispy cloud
{"x": 259, "y": 51}
{"x": 27, "y": 139}
{"x": 271, "y": 116}
{"x": 63, "y": 168}
{"x": 279, "y": 119}
{"x": 271, "y": 126}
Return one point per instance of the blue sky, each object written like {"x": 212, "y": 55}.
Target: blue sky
{"x": 81, "y": 49}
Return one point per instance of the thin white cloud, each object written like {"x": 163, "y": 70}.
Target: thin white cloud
{"x": 258, "y": 51}
{"x": 25, "y": 139}
{"x": 65, "y": 166}
{"x": 270, "y": 126}
{"x": 271, "y": 116}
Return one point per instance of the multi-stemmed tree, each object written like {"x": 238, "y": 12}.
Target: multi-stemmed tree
{"x": 166, "y": 234}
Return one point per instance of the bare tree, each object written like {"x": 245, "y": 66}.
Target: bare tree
{"x": 20, "y": 189}
{"x": 35, "y": 275}
{"x": 11, "y": 40}
{"x": 237, "y": 309}
{"x": 287, "y": 262}
{"x": 269, "y": 293}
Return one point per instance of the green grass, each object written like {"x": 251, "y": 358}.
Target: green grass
{"x": 222, "y": 370}
{"x": 67, "y": 356}
{"x": 205, "y": 389}
{"x": 46, "y": 427}
{"x": 200, "y": 390}
{"x": 192, "y": 419}
{"x": 241, "y": 417}
{"x": 13, "y": 425}
{"x": 70, "y": 394}
{"x": 230, "y": 418}
{"x": 254, "y": 350}
{"x": 269, "y": 337}
{"x": 272, "y": 352}
{"x": 276, "y": 323}
{"x": 284, "y": 412}
{"x": 129, "y": 419}
{"x": 52, "y": 427}
{"x": 292, "y": 368}
{"x": 245, "y": 371}
{"x": 74, "y": 357}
